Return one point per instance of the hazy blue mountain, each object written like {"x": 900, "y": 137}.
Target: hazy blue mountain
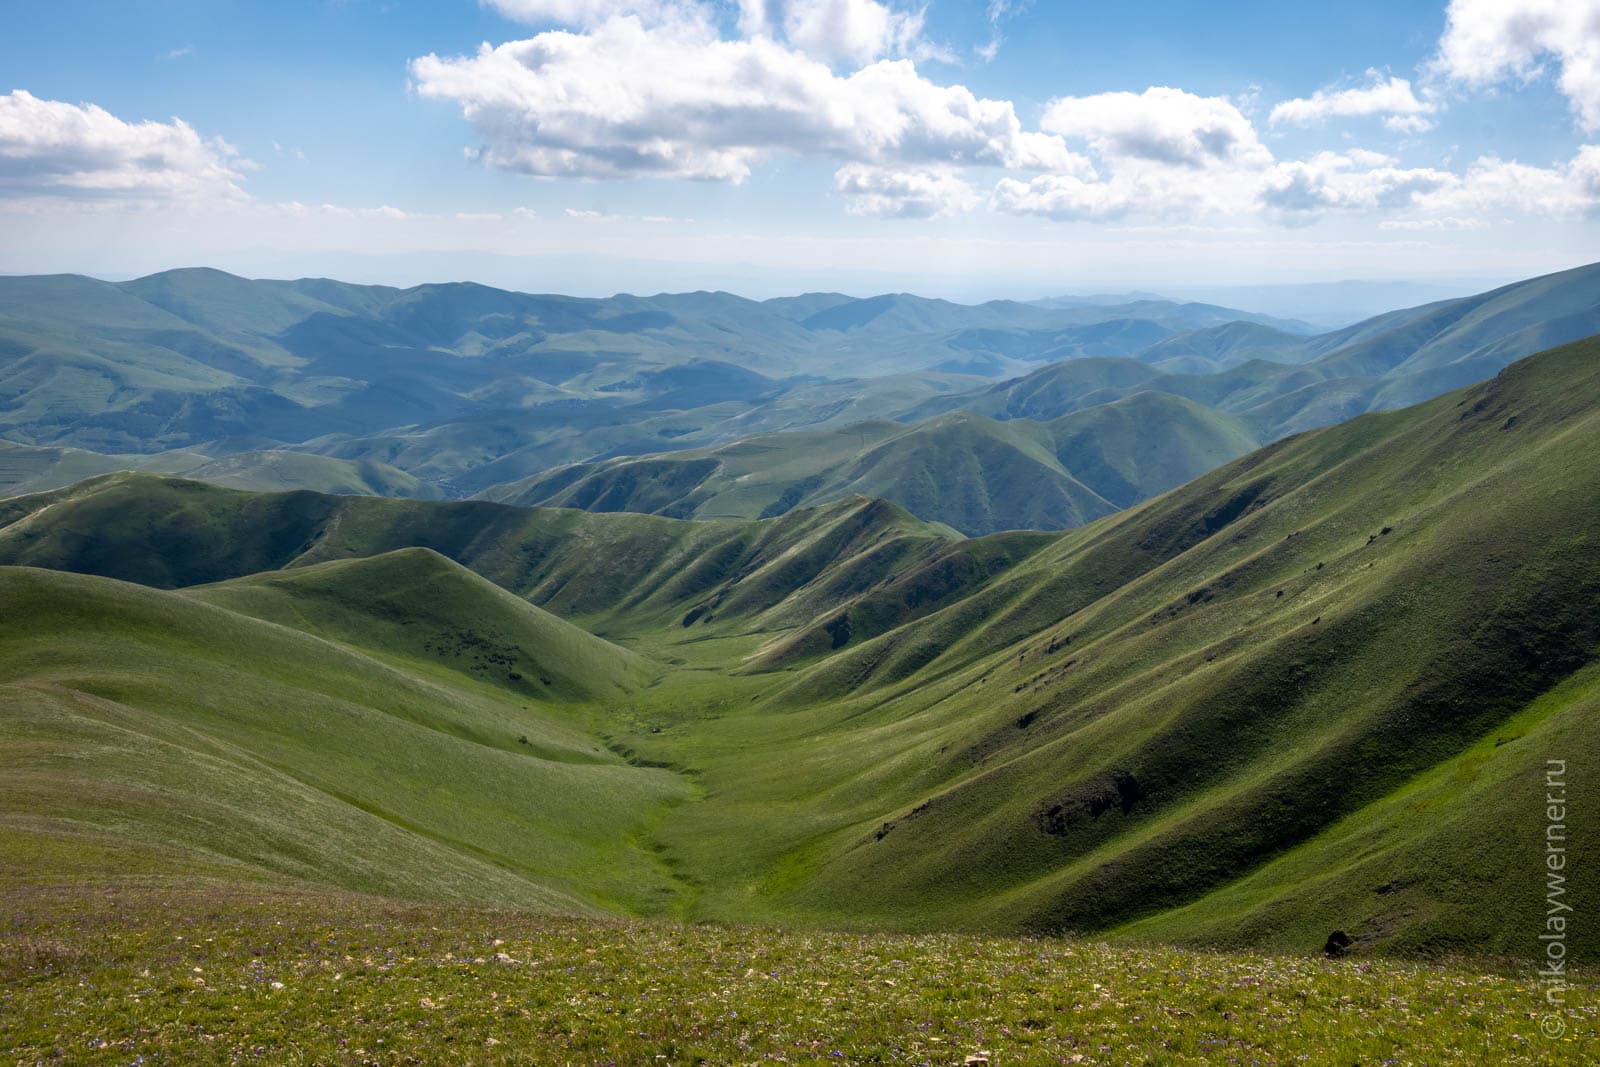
{"x": 628, "y": 402}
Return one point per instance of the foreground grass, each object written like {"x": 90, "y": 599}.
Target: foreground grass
{"x": 236, "y": 974}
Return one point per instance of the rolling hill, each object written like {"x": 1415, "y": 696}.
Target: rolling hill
{"x": 1313, "y": 690}
{"x": 172, "y": 729}
{"x": 974, "y": 474}
{"x": 198, "y": 356}
{"x": 1071, "y": 430}
{"x": 645, "y": 403}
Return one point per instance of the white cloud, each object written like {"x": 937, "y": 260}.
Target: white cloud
{"x": 851, "y": 31}
{"x": 1065, "y": 198}
{"x": 1299, "y": 192}
{"x": 1489, "y": 41}
{"x": 1431, "y": 199}
{"x": 1303, "y": 190}
{"x": 654, "y": 88}
{"x": 838, "y": 32}
{"x": 627, "y": 100}
{"x": 1568, "y": 190}
{"x": 1393, "y": 98}
{"x": 1161, "y": 125}
{"x": 754, "y": 18}
{"x": 1162, "y": 191}
{"x": 49, "y": 148}
{"x": 926, "y": 193}
{"x": 1408, "y": 123}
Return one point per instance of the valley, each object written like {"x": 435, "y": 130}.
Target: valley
{"x": 845, "y": 715}
{"x": 715, "y": 533}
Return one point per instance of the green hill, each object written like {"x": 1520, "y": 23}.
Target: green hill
{"x": 198, "y": 357}
{"x": 974, "y": 474}
{"x": 414, "y": 604}
{"x": 1303, "y": 693}
{"x": 1313, "y": 690}
{"x": 456, "y": 390}
{"x": 164, "y": 727}
{"x": 635, "y": 572}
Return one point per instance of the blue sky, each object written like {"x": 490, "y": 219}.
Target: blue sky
{"x": 769, "y": 145}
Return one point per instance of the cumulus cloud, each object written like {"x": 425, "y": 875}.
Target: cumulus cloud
{"x": 1161, "y": 191}
{"x": 627, "y": 100}
{"x": 851, "y": 31}
{"x": 1489, "y": 41}
{"x": 927, "y": 193}
{"x": 837, "y": 32}
{"x": 1344, "y": 181}
{"x": 49, "y": 148}
{"x": 1392, "y": 98}
{"x": 1065, "y": 198}
{"x": 1300, "y": 192}
{"x": 1491, "y": 184}
{"x": 1161, "y": 125}
{"x": 710, "y": 89}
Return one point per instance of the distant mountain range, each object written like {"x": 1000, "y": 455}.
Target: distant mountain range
{"x": 986, "y": 417}
{"x": 1084, "y": 437}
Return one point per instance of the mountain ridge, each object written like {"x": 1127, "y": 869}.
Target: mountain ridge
{"x": 1301, "y": 693}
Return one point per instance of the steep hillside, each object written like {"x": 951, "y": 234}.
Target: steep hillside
{"x": 1303, "y": 693}
{"x": 1314, "y": 690}
{"x": 629, "y": 572}
{"x": 416, "y": 605}
{"x": 972, "y": 473}
{"x": 171, "y": 732}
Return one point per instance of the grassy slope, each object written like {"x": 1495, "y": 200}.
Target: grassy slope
{"x": 1291, "y": 696}
{"x": 1149, "y": 661}
{"x": 416, "y": 605}
{"x": 159, "y": 721}
{"x": 634, "y": 573}
{"x": 970, "y": 472}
